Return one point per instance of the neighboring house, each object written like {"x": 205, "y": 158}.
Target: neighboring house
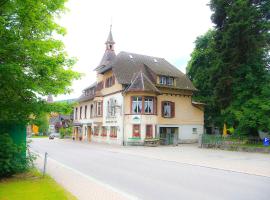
{"x": 56, "y": 120}
{"x": 137, "y": 97}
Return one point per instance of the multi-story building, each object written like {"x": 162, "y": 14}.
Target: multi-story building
{"x": 136, "y": 97}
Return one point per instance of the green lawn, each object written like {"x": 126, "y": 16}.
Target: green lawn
{"x": 32, "y": 186}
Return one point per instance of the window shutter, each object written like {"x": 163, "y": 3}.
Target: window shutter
{"x": 155, "y": 105}
{"x": 173, "y": 109}
{"x": 113, "y": 80}
{"x": 162, "y": 108}
{"x": 101, "y": 108}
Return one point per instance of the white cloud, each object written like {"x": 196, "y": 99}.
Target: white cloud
{"x": 160, "y": 28}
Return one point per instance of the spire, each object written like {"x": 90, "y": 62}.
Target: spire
{"x": 110, "y": 43}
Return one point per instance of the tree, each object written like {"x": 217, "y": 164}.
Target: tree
{"x": 32, "y": 63}
{"x": 199, "y": 70}
{"x": 239, "y": 71}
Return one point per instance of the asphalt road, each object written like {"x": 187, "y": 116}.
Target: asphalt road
{"x": 147, "y": 178}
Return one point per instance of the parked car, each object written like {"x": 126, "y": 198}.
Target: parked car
{"x": 53, "y": 135}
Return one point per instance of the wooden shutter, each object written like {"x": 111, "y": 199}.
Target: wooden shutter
{"x": 101, "y": 108}
{"x": 162, "y": 108}
{"x": 155, "y": 105}
{"x": 172, "y": 109}
{"x": 113, "y": 80}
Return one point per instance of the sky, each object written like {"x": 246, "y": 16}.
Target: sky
{"x": 161, "y": 28}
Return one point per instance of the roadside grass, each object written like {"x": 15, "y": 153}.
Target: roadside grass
{"x": 39, "y": 136}
{"x": 32, "y": 186}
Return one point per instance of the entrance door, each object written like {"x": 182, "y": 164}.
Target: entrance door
{"x": 89, "y": 133}
{"x": 167, "y": 135}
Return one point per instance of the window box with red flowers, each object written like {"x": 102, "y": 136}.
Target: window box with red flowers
{"x": 104, "y": 132}
{"x": 96, "y": 131}
{"x": 113, "y": 132}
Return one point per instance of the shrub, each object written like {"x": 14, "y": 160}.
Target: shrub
{"x": 12, "y": 157}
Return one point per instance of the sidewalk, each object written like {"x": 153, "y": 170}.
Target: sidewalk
{"x": 81, "y": 186}
{"x": 243, "y": 162}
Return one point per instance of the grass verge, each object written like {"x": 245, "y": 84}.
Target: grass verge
{"x": 32, "y": 186}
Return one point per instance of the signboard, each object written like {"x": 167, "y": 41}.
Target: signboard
{"x": 266, "y": 142}
{"x": 136, "y": 119}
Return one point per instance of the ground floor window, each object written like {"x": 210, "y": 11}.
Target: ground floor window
{"x": 136, "y": 131}
{"x": 113, "y": 132}
{"x": 104, "y": 131}
{"x": 96, "y": 130}
{"x": 149, "y": 131}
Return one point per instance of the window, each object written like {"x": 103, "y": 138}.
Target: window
{"x": 136, "y": 131}
{"x": 162, "y": 80}
{"x": 99, "y": 108}
{"x": 143, "y": 105}
{"x": 148, "y": 105}
{"x": 113, "y": 132}
{"x": 96, "y": 130}
{"x": 168, "y": 109}
{"x": 110, "y": 81}
{"x": 76, "y": 113}
{"x": 104, "y": 131}
{"x": 136, "y": 105}
{"x": 81, "y": 112}
{"x": 166, "y": 80}
{"x": 91, "y": 111}
{"x": 85, "y": 112}
{"x": 99, "y": 86}
{"x": 111, "y": 103}
{"x": 149, "y": 131}
{"x": 194, "y": 130}
{"x": 169, "y": 81}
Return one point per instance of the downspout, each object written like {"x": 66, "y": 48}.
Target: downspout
{"x": 123, "y": 118}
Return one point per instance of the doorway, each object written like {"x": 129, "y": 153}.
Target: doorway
{"x": 89, "y": 133}
{"x": 168, "y": 135}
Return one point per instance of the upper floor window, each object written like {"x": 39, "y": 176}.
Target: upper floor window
{"x": 99, "y": 108}
{"x": 166, "y": 80}
{"x": 148, "y": 105}
{"x": 110, "y": 81}
{"x": 100, "y": 86}
{"x": 85, "y": 112}
{"x": 168, "y": 109}
{"x": 80, "y": 112}
{"x": 76, "y": 113}
{"x": 145, "y": 105}
{"x": 136, "y": 105}
{"x": 111, "y": 103}
{"x": 91, "y": 111}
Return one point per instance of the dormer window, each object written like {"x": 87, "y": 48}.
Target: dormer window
{"x": 166, "y": 80}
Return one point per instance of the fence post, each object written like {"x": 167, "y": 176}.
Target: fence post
{"x": 200, "y": 140}
{"x": 45, "y": 163}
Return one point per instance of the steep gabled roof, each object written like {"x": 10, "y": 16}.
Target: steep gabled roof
{"x": 126, "y": 64}
{"x": 141, "y": 83}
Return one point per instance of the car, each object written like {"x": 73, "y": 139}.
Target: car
{"x": 53, "y": 135}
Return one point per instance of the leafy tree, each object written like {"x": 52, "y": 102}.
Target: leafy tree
{"x": 239, "y": 72}
{"x": 199, "y": 70}
{"x": 32, "y": 63}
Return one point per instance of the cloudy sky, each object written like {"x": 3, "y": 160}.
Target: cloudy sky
{"x": 162, "y": 28}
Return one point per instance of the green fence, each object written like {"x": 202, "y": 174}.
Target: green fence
{"x": 16, "y": 131}
{"x": 217, "y": 141}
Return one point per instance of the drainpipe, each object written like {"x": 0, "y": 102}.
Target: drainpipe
{"x": 123, "y": 119}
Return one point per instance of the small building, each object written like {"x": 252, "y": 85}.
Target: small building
{"x": 136, "y": 97}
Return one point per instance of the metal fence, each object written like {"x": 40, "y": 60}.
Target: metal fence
{"x": 217, "y": 141}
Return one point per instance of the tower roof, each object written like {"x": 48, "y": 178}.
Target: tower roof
{"x": 110, "y": 37}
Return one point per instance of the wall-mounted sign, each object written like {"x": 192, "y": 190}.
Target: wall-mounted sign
{"x": 136, "y": 119}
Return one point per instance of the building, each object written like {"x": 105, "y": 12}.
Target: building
{"x": 136, "y": 97}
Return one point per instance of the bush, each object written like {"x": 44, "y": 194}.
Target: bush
{"x": 12, "y": 157}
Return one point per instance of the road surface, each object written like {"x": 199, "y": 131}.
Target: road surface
{"x": 146, "y": 178}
